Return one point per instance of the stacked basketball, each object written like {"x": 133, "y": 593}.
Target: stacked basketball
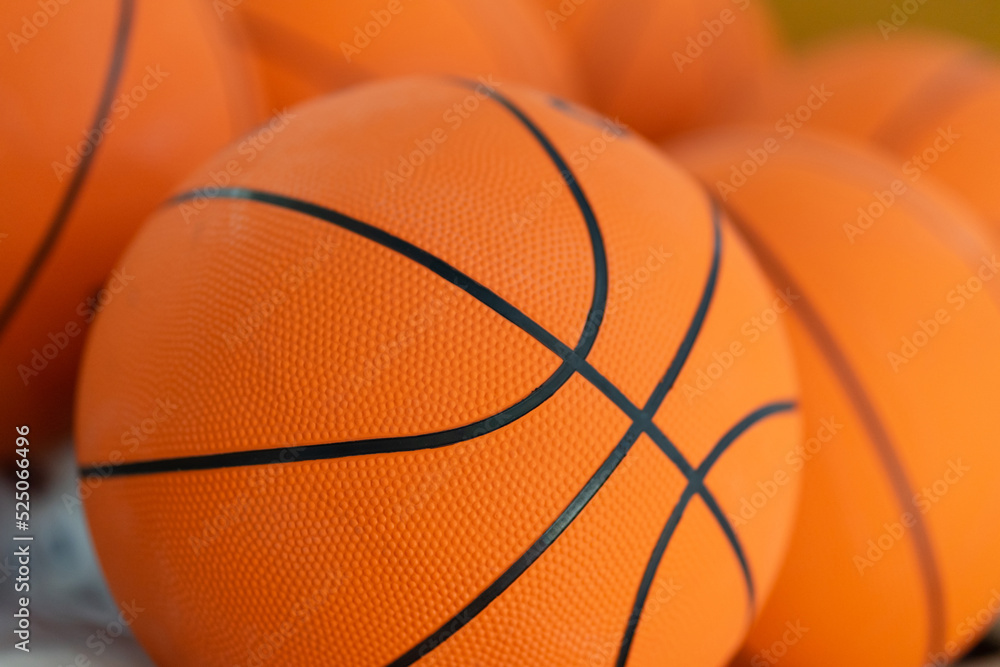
{"x": 431, "y": 364}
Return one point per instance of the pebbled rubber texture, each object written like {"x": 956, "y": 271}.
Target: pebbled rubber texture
{"x": 435, "y": 302}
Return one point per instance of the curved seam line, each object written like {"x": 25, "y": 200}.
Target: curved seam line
{"x": 590, "y": 489}
{"x": 596, "y": 314}
{"x": 588, "y": 336}
{"x": 695, "y": 485}
{"x": 61, "y": 217}
{"x": 572, "y": 361}
{"x": 877, "y": 433}
{"x": 642, "y": 419}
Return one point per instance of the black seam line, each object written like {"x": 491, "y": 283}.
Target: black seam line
{"x": 573, "y": 361}
{"x": 465, "y": 282}
{"x": 734, "y": 542}
{"x": 636, "y": 414}
{"x": 695, "y": 485}
{"x": 674, "y": 372}
{"x": 838, "y": 362}
{"x": 583, "y": 498}
{"x": 62, "y": 213}
{"x": 338, "y": 450}
{"x": 668, "y": 383}
{"x": 478, "y": 291}
{"x": 534, "y": 552}
{"x": 642, "y": 419}
{"x": 706, "y": 301}
{"x": 548, "y": 388}
{"x": 434, "y": 264}
{"x": 590, "y": 219}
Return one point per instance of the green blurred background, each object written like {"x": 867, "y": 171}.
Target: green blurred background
{"x": 806, "y": 20}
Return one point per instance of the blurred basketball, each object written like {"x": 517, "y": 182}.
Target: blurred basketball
{"x": 309, "y": 47}
{"x": 492, "y": 405}
{"x": 932, "y": 101}
{"x": 106, "y": 106}
{"x": 893, "y": 560}
{"x": 662, "y": 66}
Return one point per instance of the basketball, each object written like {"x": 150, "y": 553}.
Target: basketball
{"x": 664, "y": 66}
{"x": 892, "y": 558}
{"x": 106, "y": 106}
{"x": 308, "y": 47}
{"x": 478, "y": 333}
{"x": 932, "y": 101}
{"x": 497, "y": 406}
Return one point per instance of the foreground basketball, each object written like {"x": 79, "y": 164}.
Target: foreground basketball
{"x": 471, "y": 395}
{"x": 932, "y": 101}
{"x": 895, "y": 327}
{"x": 662, "y": 66}
{"x": 106, "y": 105}
{"x": 310, "y": 47}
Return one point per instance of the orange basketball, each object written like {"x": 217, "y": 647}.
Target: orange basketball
{"x": 491, "y": 405}
{"x": 932, "y": 101}
{"x": 309, "y": 47}
{"x": 661, "y": 66}
{"x": 894, "y": 555}
{"x": 106, "y": 105}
